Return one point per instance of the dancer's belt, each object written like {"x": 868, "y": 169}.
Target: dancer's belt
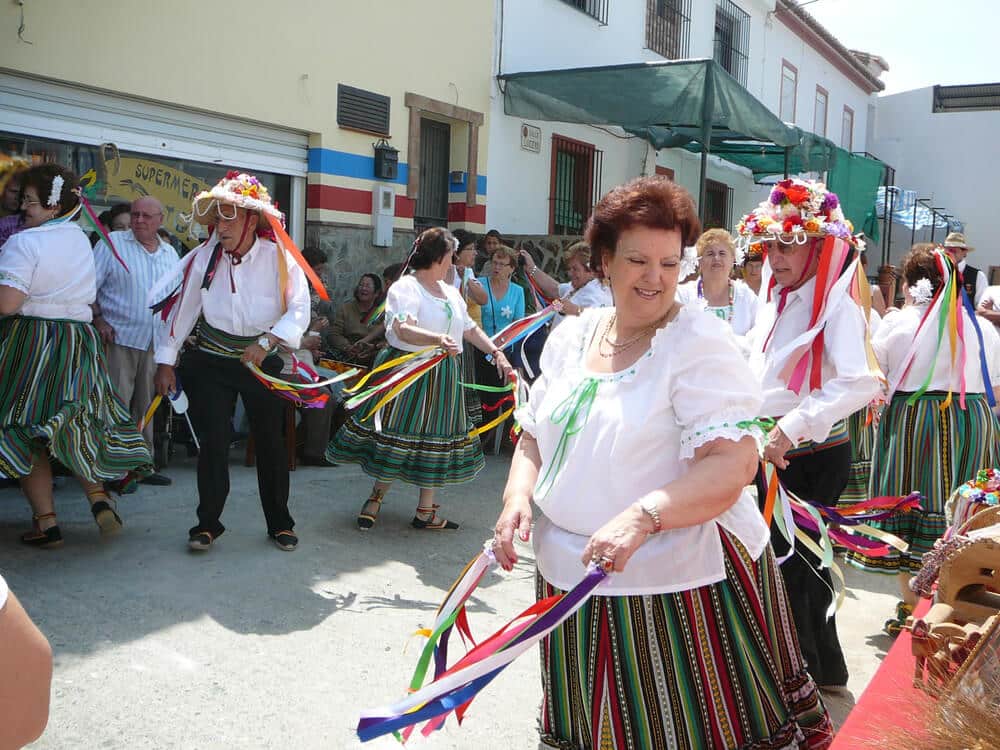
{"x": 221, "y": 343}
{"x": 838, "y": 436}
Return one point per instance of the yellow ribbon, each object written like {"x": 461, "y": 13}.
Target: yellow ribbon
{"x": 396, "y": 390}
{"x": 387, "y": 366}
{"x": 493, "y": 423}
{"x": 835, "y": 570}
{"x": 153, "y": 406}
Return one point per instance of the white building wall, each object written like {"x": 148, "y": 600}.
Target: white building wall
{"x": 550, "y": 34}
{"x": 948, "y": 157}
{"x": 780, "y": 43}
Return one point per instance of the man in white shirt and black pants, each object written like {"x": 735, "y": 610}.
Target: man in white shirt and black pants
{"x": 242, "y": 295}
{"x": 810, "y": 445}
{"x": 121, "y": 315}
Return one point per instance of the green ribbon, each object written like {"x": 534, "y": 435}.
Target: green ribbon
{"x": 487, "y": 388}
{"x": 574, "y": 411}
{"x": 942, "y": 320}
{"x": 764, "y": 424}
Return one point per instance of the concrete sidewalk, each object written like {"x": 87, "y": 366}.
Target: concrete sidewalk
{"x": 249, "y": 647}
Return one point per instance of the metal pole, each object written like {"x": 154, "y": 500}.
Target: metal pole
{"x": 934, "y": 215}
{"x": 707, "y": 114}
{"x": 888, "y": 255}
{"x": 787, "y": 150}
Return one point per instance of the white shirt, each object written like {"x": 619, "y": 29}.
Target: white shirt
{"x": 848, "y": 383}
{"x": 990, "y": 299}
{"x": 895, "y": 337}
{"x": 64, "y": 286}
{"x": 591, "y": 294}
{"x": 243, "y": 299}
{"x": 408, "y": 300}
{"x": 982, "y": 283}
{"x": 745, "y": 304}
{"x": 642, "y": 430}
{"x": 3, "y": 593}
{"x": 122, "y": 294}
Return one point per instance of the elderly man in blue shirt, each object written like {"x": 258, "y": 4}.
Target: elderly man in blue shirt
{"x": 122, "y": 315}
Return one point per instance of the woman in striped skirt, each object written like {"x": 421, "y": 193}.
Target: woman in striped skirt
{"x": 56, "y": 401}
{"x": 424, "y": 436}
{"x": 638, "y": 440}
{"x": 932, "y": 437}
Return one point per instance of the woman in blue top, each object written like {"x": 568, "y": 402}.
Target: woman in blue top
{"x": 504, "y": 304}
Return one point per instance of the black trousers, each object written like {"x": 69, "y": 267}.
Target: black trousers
{"x": 212, "y": 384}
{"x": 486, "y": 374}
{"x": 819, "y": 477}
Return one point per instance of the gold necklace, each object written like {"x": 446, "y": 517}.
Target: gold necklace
{"x": 619, "y": 347}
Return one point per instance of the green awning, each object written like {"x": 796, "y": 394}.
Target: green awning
{"x": 692, "y": 99}
{"x": 856, "y": 179}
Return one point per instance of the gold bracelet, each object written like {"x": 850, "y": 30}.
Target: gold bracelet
{"x": 649, "y": 508}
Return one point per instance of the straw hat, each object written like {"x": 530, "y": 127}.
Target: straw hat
{"x": 235, "y": 189}
{"x": 795, "y": 211}
{"x": 957, "y": 239}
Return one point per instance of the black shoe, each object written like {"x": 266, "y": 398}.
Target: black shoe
{"x": 317, "y": 461}
{"x": 285, "y": 540}
{"x": 200, "y": 541}
{"x": 157, "y": 480}
{"x": 108, "y": 521}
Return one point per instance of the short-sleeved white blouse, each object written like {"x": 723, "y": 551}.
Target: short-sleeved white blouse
{"x": 745, "y": 304}
{"x": 54, "y": 265}
{"x": 644, "y": 424}
{"x": 407, "y": 298}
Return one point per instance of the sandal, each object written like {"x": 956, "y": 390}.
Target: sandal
{"x": 108, "y": 520}
{"x": 366, "y": 519}
{"x": 47, "y": 539}
{"x": 434, "y": 523}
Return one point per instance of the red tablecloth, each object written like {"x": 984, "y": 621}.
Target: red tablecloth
{"x": 890, "y": 702}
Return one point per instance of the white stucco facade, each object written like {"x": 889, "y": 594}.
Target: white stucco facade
{"x": 936, "y": 154}
{"x": 550, "y": 34}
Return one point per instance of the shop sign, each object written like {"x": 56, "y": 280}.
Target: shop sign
{"x": 531, "y": 138}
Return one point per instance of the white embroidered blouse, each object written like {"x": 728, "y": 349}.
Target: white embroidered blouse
{"x": 64, "y": 286}
{"x": 641, "y": 431}
{"x": 407, "y": 298}
{"x": 897, "y": 335}
{"x": 744, "y": 308}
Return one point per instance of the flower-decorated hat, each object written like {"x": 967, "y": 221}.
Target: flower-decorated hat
{"x": 795, "y": 211}
{"x": 235, "y": 189}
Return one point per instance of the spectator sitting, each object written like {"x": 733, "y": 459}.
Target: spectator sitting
{"x": 354, "y": 332}
{"x": 317, "y": 259}
{"x": 116, "y": 219}
{"x": 390, "y": 274}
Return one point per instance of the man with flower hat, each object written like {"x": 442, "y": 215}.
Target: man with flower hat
{"x": 243, "y": 293}
{"x": 810, "y": 348}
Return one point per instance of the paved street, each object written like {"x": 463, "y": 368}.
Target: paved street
{"x": 250, "y": 647}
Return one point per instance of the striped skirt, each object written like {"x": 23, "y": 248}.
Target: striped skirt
{"x": 862, "y": 445}
{"x": 55, "y": 395}
{"x": 923, "y": 448}
{"x": 716, "y": 667}
{"x": 473, "y": 405}
{"x": 425, "y": 433}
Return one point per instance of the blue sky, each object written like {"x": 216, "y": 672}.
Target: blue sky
{"x": 925, "y": 42}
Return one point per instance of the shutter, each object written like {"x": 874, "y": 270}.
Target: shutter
{"x": 362, "y": 110}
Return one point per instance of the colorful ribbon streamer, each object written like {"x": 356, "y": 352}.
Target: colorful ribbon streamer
{"x": 306, "y": 390}
{"x": 377, "y": 312}
{"x": 847, "y": 527}
{"x": 454, "y": 688}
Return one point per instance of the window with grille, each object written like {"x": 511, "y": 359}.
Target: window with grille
{"x": 575, "y": 184}
{"x": 789, "y": 82}
{"x": 596, "y": 9}
{"x": 358, "y": 109}
{"x": 847, "y": 129}
{"x": 732, "y": 39}
{"x": 668, "y": 27}
{"x": 819, "y": 111}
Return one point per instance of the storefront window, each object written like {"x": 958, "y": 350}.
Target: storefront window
{"x": 111, "y": 176}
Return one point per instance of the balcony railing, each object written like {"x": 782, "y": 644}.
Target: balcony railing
{"x": 732, "y": 39}
{"x": 668, "y": 24}
{"x": 596, "y": 9}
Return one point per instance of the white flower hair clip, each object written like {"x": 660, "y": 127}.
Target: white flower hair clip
{"x": 689, "y": 262}
{"x": 55, "y": 195}
{"x": 921, "y": 292}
